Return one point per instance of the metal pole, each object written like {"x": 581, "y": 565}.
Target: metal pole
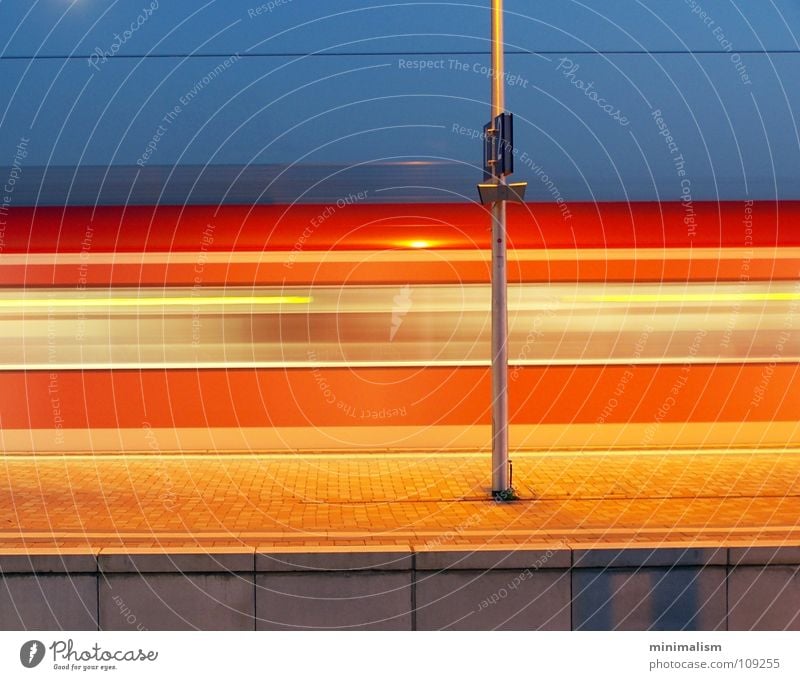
{"x": 500, "y": 467}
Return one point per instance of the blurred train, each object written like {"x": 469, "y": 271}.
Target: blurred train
{"x": 366, "y": 327}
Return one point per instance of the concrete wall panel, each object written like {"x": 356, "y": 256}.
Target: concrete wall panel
{"x": 649, "y": 599}
{"x": 484, "y": 600}
{"x": 216, "y": 601}
{"x": 764, "y": 598}
{"x": 48, "y": 602}
{"x": 334, "y": 600}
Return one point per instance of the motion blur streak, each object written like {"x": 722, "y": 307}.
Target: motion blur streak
{"x": 399, "y": 326}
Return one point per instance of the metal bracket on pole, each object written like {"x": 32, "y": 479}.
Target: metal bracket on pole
{"x": 492, "y": 192}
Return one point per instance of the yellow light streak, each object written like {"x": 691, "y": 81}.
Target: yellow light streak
{"x": 198, "y": 301}
{"x": 688, "y": 297}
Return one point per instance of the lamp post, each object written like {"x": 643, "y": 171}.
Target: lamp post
{"x": 498, "y": 164}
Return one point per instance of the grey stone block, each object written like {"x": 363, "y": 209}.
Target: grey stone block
{"x": 48, "y": 602}
{"x": 650, "y": 557}
{"x": 343, "y": 601}
{"x": 176, "y": 601}
{"x": 682, "y": 598}
{"x": 334, "y": 559}
{"x": 483, "y": 559}
{"x": 765, "y": 555}
{"x": 31, "y": 561}
{"x": 116, "y": 560}
{"x": 498, "y": 599}
{"x": 764, "y": 598}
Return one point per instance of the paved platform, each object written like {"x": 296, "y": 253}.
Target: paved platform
{"x": 577, "y": 500}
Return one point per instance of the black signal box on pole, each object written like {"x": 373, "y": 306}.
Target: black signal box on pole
{"x": 498, "y": 147}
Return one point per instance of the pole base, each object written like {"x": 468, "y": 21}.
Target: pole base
{"x": 504, "y": 495}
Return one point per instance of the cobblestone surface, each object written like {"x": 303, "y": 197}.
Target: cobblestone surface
{"x": 625, "y": 499}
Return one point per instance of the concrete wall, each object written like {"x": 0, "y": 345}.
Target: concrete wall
{"x": 398, "y": 588}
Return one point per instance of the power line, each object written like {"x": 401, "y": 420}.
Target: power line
{"x": 223, "y": 55}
